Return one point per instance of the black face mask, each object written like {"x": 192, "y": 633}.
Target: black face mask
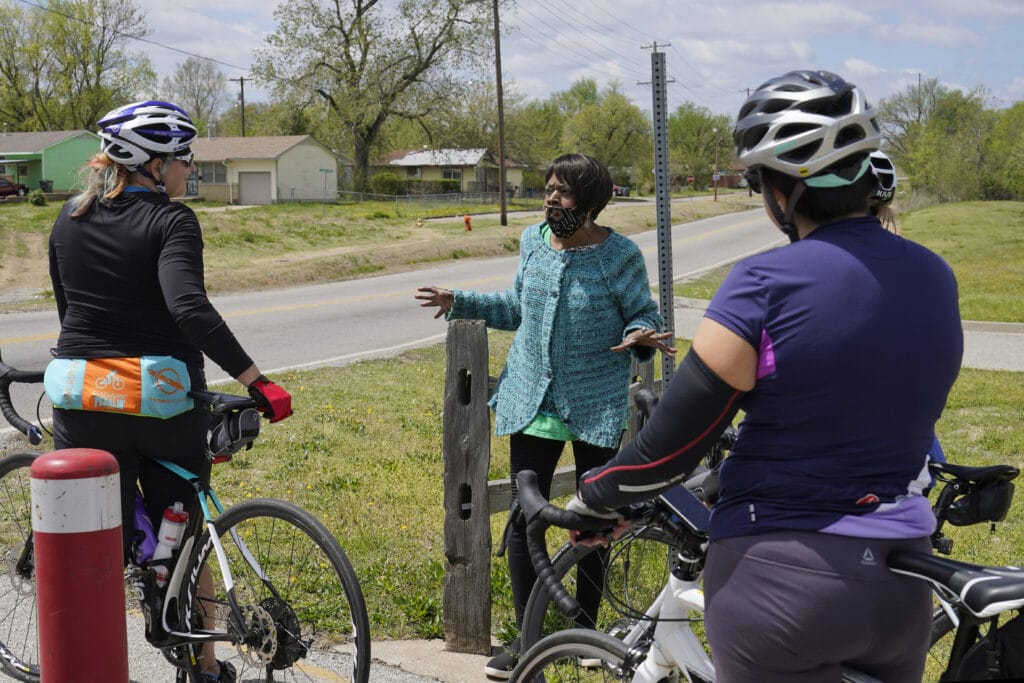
{"x": 563, "y": 222}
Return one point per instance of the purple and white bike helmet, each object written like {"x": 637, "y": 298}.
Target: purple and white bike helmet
{"x": 135, "y": 133}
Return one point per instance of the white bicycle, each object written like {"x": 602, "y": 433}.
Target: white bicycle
{"x": 662, "y": 645}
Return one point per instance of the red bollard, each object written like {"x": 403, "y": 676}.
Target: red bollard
{"x": 76, "y": 528}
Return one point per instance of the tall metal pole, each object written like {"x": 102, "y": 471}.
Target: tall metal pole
{"x": 663, "y": 206}
{"x": 501, "y": 117}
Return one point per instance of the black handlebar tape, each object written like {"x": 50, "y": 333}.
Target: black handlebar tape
{"x": 535, "y": 539}
{"x": 21, "y": 424}
{"x": 540, "y": 514}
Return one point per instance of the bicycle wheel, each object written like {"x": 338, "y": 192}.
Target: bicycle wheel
{"x": 19, "y": 627}
{"x": 636, "y": 570}
{"x": 300, "y": 601}
{"x": 577, "y": 655}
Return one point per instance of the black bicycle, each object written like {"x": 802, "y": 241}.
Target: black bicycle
{"x": 284, "y": 593}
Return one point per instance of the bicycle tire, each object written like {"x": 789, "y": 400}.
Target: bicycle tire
{"x": 636, "y": 570}
{"x": 309, "y": 603}
{"x": 559, "y": 657}
{"x": 19, "y": 626}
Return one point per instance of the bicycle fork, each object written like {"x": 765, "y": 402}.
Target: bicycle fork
{"x": 675, "y": 648}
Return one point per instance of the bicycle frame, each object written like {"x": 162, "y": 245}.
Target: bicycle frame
{"x": 187, "y": 556}
{"x": 674, "y": 644}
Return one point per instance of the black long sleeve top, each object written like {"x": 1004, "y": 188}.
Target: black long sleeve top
{"x": 128, "y": 281}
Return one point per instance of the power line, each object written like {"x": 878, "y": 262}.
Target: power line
{"x": 127, "y": 35}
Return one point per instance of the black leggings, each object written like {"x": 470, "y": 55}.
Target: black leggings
{"x": 134, "y": 441}
{"x": 541, "y": 455}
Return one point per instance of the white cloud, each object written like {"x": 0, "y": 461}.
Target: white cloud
{"x": 946, "y": 36}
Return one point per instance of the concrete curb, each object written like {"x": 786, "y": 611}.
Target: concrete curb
{"x": 429, "y": 659}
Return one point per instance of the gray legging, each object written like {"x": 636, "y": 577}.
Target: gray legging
{"x": 791, "y": 607}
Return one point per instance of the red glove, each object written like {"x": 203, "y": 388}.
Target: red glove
{"x": 273, "y": 401}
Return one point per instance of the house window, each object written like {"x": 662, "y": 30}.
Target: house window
{"x": 412, "y": 171}
{"x": 213, "y": 172}
{"x": 452, "y": 174}
{"x": 23, "y": 170}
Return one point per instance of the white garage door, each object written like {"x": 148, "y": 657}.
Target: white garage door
{"x": 254, "y": 188}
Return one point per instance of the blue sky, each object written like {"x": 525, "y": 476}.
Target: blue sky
{"x": 714, "y": 50}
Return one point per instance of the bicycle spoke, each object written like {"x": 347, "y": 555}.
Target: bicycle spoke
{"x": 297, "y": 597}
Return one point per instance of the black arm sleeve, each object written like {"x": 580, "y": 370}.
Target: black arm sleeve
{"x": 694, "y": 411}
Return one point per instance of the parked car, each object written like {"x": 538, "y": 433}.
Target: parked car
{"x": 620, "y": 191}
{"x": 11, "y": 189}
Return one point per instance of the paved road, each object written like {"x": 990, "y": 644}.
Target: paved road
{"x": 372, "y": 317}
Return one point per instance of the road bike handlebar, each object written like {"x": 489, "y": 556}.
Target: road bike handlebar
{"x": 9, "y": 375}
{"x": 540, "y": 514}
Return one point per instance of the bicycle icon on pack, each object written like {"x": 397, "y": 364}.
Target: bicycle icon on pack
{"x": 110, "y": 381}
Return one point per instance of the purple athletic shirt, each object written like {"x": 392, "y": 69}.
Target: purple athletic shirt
{"x": 859, "y": 342}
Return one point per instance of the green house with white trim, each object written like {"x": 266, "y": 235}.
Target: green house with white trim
{"x": 56, "y": 156}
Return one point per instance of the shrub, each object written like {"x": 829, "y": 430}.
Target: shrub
{"x": 37, "y": 198}
{"x": 387, "y": 183}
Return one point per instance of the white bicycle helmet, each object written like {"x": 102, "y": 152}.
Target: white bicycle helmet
{"x": 885, "y": 172}
{"x": 135, "y": 133}
{"x": 803, "y": 122}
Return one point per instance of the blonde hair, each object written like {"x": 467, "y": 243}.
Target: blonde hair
{"x": 101, "y": 177}
{"x": 886, "y": 216}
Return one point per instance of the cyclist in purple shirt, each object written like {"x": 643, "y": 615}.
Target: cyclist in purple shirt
{"x": 840, "y": 349}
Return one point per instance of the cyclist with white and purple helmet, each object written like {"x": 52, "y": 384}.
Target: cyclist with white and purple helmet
{"x": 840, "y": 349}
{"x": 127, "y": 269}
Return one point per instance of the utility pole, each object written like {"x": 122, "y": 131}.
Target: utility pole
{"x": 241, "y": 84}
{"x": 501, "y": 118}
{"x": 663, "y": 207}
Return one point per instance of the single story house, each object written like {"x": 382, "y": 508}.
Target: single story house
{"x": 475, "y": 169}
{"x": 49, "y": 160}
{"x": 268, "y": 170}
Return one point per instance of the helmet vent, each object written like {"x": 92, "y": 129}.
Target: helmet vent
{"x": 775, "y": 106}
{"x": 801, "y": 154}
{"x": 831, "y": 107}
{"x": 849, "y": 135}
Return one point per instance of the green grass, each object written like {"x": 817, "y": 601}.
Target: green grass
{"x": 982, "y": 241}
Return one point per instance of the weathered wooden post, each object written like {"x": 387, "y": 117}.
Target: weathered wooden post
{"x": 467, "y": 455}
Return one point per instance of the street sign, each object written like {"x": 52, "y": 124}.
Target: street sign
{"x": 716, "y": 177}
{"x": 327, "y": 170}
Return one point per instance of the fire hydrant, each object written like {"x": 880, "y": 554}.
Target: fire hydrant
{"x": 467, "y": 219}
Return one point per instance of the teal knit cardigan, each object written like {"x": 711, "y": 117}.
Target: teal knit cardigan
{"x": 567, "y": 309}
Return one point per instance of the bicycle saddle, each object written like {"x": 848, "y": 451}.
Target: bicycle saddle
{"x": 977, "y": 475}
{"x": 985, "y": 591}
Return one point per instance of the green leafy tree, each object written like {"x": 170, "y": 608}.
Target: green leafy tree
{"x": 1006, "y": 151}
{"x": 612, "y": 130}
{"x": 280, "y": 117}
{"x": 370, "y": 61}
{"x": 699, "y": 143}
{"x": 947, "y": 156}
{"x": 903, "y": 116}
{"x": 68, "y": 64}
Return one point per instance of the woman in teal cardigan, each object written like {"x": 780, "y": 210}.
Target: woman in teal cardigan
{"x": 580, "y": 299}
